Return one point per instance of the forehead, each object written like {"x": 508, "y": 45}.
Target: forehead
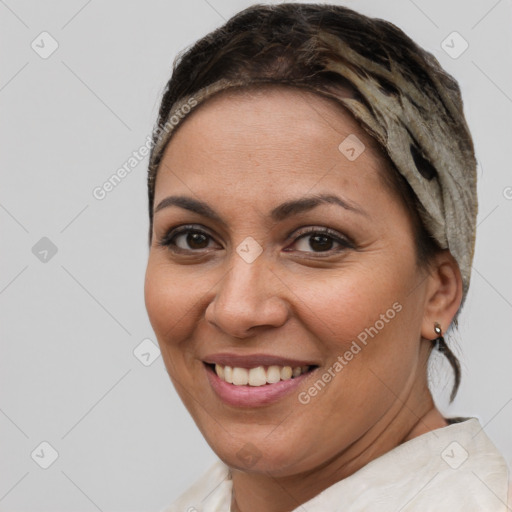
{"x": 272, "y": 106}
{"x": 273, "y": 135}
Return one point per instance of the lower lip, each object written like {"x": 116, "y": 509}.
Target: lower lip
{"x": 253, "y": 396}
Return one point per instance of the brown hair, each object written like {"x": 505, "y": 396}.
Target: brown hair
{"x": 279, "y": 44}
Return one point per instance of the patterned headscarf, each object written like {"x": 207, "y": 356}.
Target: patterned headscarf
{"x": 415, "y": 115}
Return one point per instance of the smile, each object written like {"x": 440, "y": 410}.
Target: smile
{"x": 259, "y": 376}
{"x": 256, "y": 380}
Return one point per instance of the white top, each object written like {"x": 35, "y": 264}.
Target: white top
{"x": 454, "y": 469}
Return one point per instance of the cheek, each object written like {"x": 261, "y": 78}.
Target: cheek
{"x": 169, "y": 302}
{"x": 345, "y": 305}
{"x": 372, "y": 321}
{"x": 368, "y": 331}
{"x": 170, "y": 311}
{"x": 159, "y": 297}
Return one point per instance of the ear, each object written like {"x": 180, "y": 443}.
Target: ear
{"x": 443, "y": 294}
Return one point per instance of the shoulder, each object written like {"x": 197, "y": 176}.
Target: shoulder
{"x": 213, "y": 486}
{"x": 466, "y": 469}
{"x": 455, "y": 468}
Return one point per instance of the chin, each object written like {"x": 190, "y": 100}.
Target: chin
{"x": 257, "y": 453}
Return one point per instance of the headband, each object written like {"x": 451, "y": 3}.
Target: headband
{"x": 419, "y": 123}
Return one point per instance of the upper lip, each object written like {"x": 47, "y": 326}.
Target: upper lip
{"x": 254, "y": 360}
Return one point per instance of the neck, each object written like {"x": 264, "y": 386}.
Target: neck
{"x": 409, "y": 418}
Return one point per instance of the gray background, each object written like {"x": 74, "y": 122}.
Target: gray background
{"x": 70, "y": 323}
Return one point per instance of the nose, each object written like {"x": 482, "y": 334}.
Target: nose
{"x": 249, "y": 298}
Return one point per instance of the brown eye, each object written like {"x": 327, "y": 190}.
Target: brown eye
{"x": 194, "y": 240}
{"x": 321, "y": 240}
{"x": 315, "y": 242}
{"x": 186, "y": 239}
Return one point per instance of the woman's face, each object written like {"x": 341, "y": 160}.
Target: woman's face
{"x": 250, "y": 269}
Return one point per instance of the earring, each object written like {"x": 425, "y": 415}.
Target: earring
{"x": 439, "y": 342}
{"x": 442, "y": 347}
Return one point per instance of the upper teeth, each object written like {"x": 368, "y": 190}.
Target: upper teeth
{"x": 258, "y": 376}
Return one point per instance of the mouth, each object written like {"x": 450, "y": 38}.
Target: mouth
{"x": 255, "y": 382}
{"x": 259, "y": 375}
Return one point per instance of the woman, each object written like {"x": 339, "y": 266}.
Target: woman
{"x": 312, "y": 201}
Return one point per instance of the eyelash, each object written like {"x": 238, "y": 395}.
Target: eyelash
{"x": 169, "y": 237}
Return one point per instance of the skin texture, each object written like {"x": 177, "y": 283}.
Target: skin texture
{"x": 244, "y": 154}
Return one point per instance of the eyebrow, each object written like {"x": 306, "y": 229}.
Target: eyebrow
{"x": 279, "y": 213}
